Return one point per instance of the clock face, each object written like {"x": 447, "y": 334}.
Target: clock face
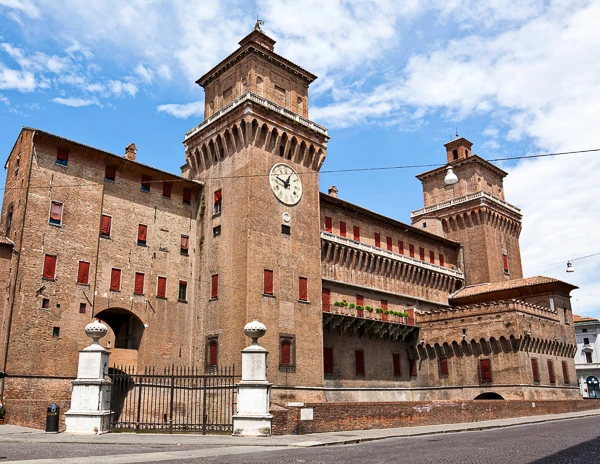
{"x": 286, "y": 184}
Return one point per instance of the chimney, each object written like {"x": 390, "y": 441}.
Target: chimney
{"x": 333, "y": 191}
{"x": 130, "y": 151}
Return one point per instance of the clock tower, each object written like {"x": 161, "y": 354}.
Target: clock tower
{"x": 259, "y": 155}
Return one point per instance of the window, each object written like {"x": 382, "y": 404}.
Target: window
{"x": 411, "y": 250}
{"x": 485, "y": 370}
{"x": 588, "y": 357}
{"x": 187, "y": 196}
{"x": 45, "y": 303}
{"x": 384, "y": 305}
{"x": 328, "y": 360}
{"x": 325, "y": 299}
{"x": 167, "y": 187}
{"x": 431, "y": 256}
{"x": 286, "y": 230}
{"x": 56, "y": 331}
{"x": 115, "y": 279}
{"x": 505, "y": 262}
{"x": 184, "y": 245}
{"x": 213, "y": 353}
{"x": 142, "y": 234}
{"x": 139, "y": 283}
{"x": 62, "y": 156}
{"x": 360, "y": 300}
{"x": 182, "y": 290}
{"x": 359, "y": 362}
{"x": 443, "y": 365}
{"x": 49, "y": 267}
{"x": 302, "y": 288}
{"x": 422, "y": 254}
{"x": 357, "y": 233}
{"x": 396, "y": 364}
{"x": 377, "y": 240}
{"x": 328, "y": 224}
{"x": 413, "y": 367}
{"x": 441, "y": 260}
{"x": 535, "y": 370}
{"x": 586, "y": 341}
{"x": 105, "y": 225}
{"x": 214, "y": 286}
{"x": 161, "y": 287}
{"x": 216, "y": 231}
{"x": 9, "y": 216}
{"x": 584, "y": 330}
{"x": 82, "y": 308}
{"x": 551, "y": 372}
{"x": 110, "y": 173}
{"x": 18, "y": 163}
{"x": 56, "y": 210}
{"x": 268, "y": 282}
{"x": 285, "y": 358}
{"x": 565, "y": 369}
{"x": 218, "y": 201}
{"x": 342, "y": 228}
{"x": 389, "y": 243}
{"x": 400, "y": 247}
{"x": 146, "y": 183}
{"x": 83, "y": 273}
{"x": 287, "y": 348}
{"x": 455, "y": 154}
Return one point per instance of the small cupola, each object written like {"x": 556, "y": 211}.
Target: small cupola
{"x": 130, "y": 152}
{"x": 333, "y": 191}
{"x": 459, "y": 148}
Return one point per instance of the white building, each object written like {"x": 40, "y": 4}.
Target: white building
{"x": 587, "y": 359}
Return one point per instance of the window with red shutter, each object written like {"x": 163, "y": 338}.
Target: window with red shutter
{"x": 217, "y": 202}
{"x": 167, "y": 187}
{"x": 139, "y": 283}
{"x": 431, "y": 257}
{"x": 505, "y": 263}
{"x": 115, "y": 279}
{"x": 400, "y": 247}
{"x": 328, "y": 224}
{"x": 396, "y": 364}
{"x": 187, "y": 196}
{"x": 384, "y": 305}
{"x": 286, "y": 353}
{"x": 83, "y": 273}
{"x": 360, "y": 300}
{"x": 142, "y": 234}
{"x": 411, "y": 250}
{"x": 110, "y": 173}
{"x": 326, "y": 299}
{"x": 389, "y": 243}
{"x": 184, "y": 245}
{"x": 268, "y": 282}
{"x": 303, "y": 289}
{"x": 56, "y": 210}
{"x": 342, "y": 228}
{"x": 565, "y": 369}
{"x": 356, "y": 233}
{"x": 443, "y": 365}
{"x": 214, "y": 286}
{"x": 377, "y": 240}
{"x": 213, "y": 353}
{"x": 62, "y": 156}
{"x": 485, "y": 370}
{"x": 535, "y": 370}
{"x": 146, "y": 180}
{"x": 161, "y": 288}
{"x": 411, "y": 316}
{"x": 328, "y": 360}
{"x": 49, "y": 267}
{"x": 422, "y": 254}
{"x": 413, "y": 367}
{"x": 359, "y": 357}
{"x": 441, "y": 260}
{"x": 551, "y": 371}
{"x": 105, "y": 224}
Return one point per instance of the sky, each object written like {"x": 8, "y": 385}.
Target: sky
{"x": 397, "y": 79}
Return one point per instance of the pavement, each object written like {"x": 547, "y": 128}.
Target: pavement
{"x": 15, "y": 434}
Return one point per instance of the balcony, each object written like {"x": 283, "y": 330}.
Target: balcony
{"x": 483, "y": 196}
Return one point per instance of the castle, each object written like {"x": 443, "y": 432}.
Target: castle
{"x": 358, "y": 306}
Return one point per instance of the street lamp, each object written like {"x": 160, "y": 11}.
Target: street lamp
{"x": 570, "y": 267}
{"x": 450, "y": 178}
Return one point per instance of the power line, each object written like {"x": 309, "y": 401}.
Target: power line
{"x": 563, "y": 261}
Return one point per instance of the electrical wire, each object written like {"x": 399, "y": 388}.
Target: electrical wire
{"x": 563, "y": 261}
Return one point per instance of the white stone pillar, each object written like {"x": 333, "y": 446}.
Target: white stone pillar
{"x": 252, "y": 418}
{"x": 90, "y": 399}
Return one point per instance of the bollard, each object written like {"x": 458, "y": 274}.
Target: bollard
{"x": 52, "y": 417}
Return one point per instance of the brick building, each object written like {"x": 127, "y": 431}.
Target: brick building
{"x": 359, "y": 307}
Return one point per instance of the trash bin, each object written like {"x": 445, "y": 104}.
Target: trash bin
{"x": 52, "y": 418}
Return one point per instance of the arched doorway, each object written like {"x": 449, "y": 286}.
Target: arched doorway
{"x": 489, "y": 396}
{"x": 126, "y": 326}
{"x": 593, "y": 387}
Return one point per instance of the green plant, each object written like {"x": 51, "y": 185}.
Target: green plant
{"x": 360, "y": 307}
{"x": 352, "y": 306}
{"x": 337, "y": 303}
{"x": 387, "y": 313}
{"x": 368, "y": 308}
{"x": 202, "y": 205}
{"x": 379, "y": 310}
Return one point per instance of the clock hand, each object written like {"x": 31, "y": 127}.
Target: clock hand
{"x": 282, "y": 181}
{"x": 288, "y": 180}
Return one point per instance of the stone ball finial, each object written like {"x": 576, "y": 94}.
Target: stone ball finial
{"x": 96, "y": 330}
{"x": 255, "y": 330}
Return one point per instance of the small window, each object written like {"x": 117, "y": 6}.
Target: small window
{"x": 142, "y": 234}
{"x": 167, "y": 188}
{"x": 359, "y": 362}
{"x": 286, "y": 230}
{"x": 56, "y": 331}
{"x": 443, "y": 365}
{"x": 62, "y": 156}
{"x": 389, "y": 243}
{"x": 184, "y": 245}
{"x": 360, "y": 300}
{"x": 161, "y": 287}
{"x": 45, "y": 303}
{"x": 505, "y": 263}
{"x": 110, "y": 173}
{"x": 286, "y": 353}
{"x": 551, "y": 375}
{"x": 377, "y": 240}
{"x": 49, "y": 267}
{"x": 565, "y": 369}
{"x": 214, "y": 286}
{"x": 328, "y": 360}
{"x": 342, "y": 228}
{"x": 431, "y": 256}
{"x": 400, "y": 247}
{"x": 588, "y": 358}
{"x": 139, "y": 283}
{"x": 455, "y": 154}
{"x": 586, "y": 341}
{"x": 303, "y": 289}
{"x": 326, "y": 299}
{"x": 356, "y": 233}
{"x": 441, "y": 257}
{"x": 268, "y": 282}
{"x": 182, "y": 290}
{"x": 384, "y": 305}
{"x": 146, "y": 180}
{"x": 422, "y": 254}
{"x": 115, "y": 280}
{"x": 56, "y": 211}
{"x": 83, "y": 273}
{"x": 411, "y": 251}
{"x": 396, "y": 364}
{"x": 328, "y": 224}
{"x": 9, "y": 218}
{"x": 584, "y": 330}
{"x": 82, "y": 308}
{"x": 485, "y": 370}
{"x": 216, "y": 231}
{"x": 413, "y": 367}
{"x": 218, "y": 201}
{"x": 287, "y": 358}
{"x": 187, "y": 196}
{"x": 213, "y": 353}
{"x": 105, "y": 225}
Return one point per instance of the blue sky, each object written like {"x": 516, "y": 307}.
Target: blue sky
{"x": 395, "y": 79}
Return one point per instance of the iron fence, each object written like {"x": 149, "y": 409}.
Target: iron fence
{"x": 178, "y": 399}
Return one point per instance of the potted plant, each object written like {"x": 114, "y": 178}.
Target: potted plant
{"x": 360, "y": 311}
{"x": 369, "y": 311}
{"x": 386, "y": 315}
{"x": 2, "y": 413}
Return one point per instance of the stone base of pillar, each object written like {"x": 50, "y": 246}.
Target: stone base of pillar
{"x": 87, "y": 422}
{"x": 252, "y": 425}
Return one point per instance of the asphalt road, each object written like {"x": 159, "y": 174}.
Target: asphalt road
{"x": 565, "y": 441}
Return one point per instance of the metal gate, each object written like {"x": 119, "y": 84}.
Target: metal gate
{"x": 177, "y": 400}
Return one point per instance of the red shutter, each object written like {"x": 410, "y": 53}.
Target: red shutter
{"x": 167, "y": 187}
{"x": 115, "y": 279}
{"x": 218, "y": 196}
{"x": 441, "y": 260}
{"x": 286, "y": 353}
{"x": 384, "y": 305}
{"x": 213, "y": 351}
{"x": 422, "y": 254}
{"x": 139, "y": 283}
{"x": 411, "y": 316}
{"x": 62, "y": 154}
{"x": 146, "y": 182}
{"x": 56, "y": 211}
{"x": 357, "y": 233}
{"x": 411, "y": 250}
{"x": 325, "y": 299}
{"x": 110, "y": 172}
{"x": 431, "y": 257}
{"x": 142, "y": 233}
{"x": 187, "y": 196}
{"x": 505, "y": 262}
{"x": 342, "y": 228}
{"x": 268, "y": 282}
{"x": 485, "y": 370}
{"x": 161, "y": 291}
{"x": 443, "y": 365}
{"x": 328, "y": 224}
{"x": 105, "y": 225}
{"x": 214, "y": 286}
{"x": 389, "y": 243}
{"x": 303, "y": 288}
{"x": 360, "y": 362}
{"x": 565, "y": 370}
{"x": 184, "y": 243}
{"x": 535, "y": 369}
{"x": 360, "y": 300}
{"x": 413, "y": 367}
{"x": 396, "y": 363}
{"x": 377, "y": 240}
{"x": 83, "y": 273}
{"x": 551, "y": 371}
{"x": 400, "y": 247}
{"x": 49, "y": 267}
{"x": 328, "y": 360}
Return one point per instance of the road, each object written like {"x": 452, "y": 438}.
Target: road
{"x": 565, "y": 441}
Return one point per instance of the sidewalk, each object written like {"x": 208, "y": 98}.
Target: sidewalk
{"x": 14, "y": 434}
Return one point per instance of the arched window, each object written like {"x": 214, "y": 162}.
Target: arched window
{"x": 286, "y": 353}
{"x": 213, "y": 353}
{"x": 260, "y": 87}
{"x": 455, "y": 154}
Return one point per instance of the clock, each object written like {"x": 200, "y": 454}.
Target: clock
{"x": 286, "y": 184}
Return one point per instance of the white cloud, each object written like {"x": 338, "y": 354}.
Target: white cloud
{"x": 4, "y": 100}
{"x": 12, "y": 79}
{"x": 26, "y": 7}
{"x": 183, "y": 111}
{"x": 144, "y": 73}
{"x": 77, "y": 102}
{"x": 120, "y": 88}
